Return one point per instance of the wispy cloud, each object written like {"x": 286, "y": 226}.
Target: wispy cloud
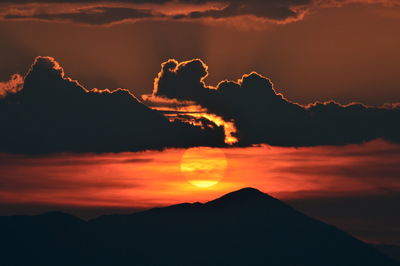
{"x": 121, "y": 11}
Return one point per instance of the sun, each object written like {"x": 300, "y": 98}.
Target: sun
{"x": 204, "y": 166}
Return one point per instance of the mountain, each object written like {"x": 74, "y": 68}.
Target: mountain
{"x": 245, "y": 227}
{"x": 389, "y": 250}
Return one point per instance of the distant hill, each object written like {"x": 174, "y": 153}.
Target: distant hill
{"x": 389, "y": 250}
{"x": 245, "y": 227}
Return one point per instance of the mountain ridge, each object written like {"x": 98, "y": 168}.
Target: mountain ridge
{"x": 244, "y": 227}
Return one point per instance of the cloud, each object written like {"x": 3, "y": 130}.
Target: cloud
{"x": 48, "y": 112}
{"x": 278, "y": 11}
{"x": 91, "y": 16}
{"x": 12, "y": 86}
{"x": 261, "y": 115}
{"x": 192, "y": 113}
{"x": 53, "y": 113}
{"x": 117, "y": 11}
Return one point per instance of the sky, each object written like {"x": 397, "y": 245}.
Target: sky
{"x": 354, "y": 187}
{"x": 101, "y": 101}
{"x": 344, "y": 54}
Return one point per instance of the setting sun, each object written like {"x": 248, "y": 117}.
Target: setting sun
{"x": 203, "y": 166}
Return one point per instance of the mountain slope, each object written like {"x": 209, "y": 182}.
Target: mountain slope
{"x": 245, "y": 227}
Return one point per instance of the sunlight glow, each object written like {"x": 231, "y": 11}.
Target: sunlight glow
{"x": 181, "y": 110}
{"x": 204, "y": 166}
{"x": 203, "y": 183}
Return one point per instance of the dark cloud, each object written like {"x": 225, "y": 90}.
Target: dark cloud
{"x": 116, "y": 11}
{"x": 49, "y": 112}
{"x": 273, "y": 10}
{"x": 110, "y": 12}
{"x": 16, "y": 160}
{"x": 92, "y": 16}
{"x": 262, "y": 115}
{"x": 53, "y": 113}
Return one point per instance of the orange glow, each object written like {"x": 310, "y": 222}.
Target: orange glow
{"x": 203, "y": 166}
{"x": 189, "y": 108}
{"x": 154, "y": 178}
{"x": 229, "y": 126}
{"x": 12, "y": 86}
{"x": 203, "y": 183}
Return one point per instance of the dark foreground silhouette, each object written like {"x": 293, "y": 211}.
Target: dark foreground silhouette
{"x": 245, "y": 227}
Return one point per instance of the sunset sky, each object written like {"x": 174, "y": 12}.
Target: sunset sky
{"x": 298, "y": 98}
{"x": 344, "y": 54}
{"x": 355, "y": 187}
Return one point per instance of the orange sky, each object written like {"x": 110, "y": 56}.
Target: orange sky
{"x": 344, "y": 54}
{"x": 91, "y": 184}
{"x": 153, "y": 178}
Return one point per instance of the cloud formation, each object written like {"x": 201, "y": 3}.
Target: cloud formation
{"x": 49, "y": 112}
{"x": 91, "y": 15}
{"x": 117, "y": 11}
{"x": 53, "y": 113}
{"x": 261, "y": 115}
{"x": 14, "y": 85}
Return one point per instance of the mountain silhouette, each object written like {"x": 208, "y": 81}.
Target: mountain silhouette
{"x": 389, "y": 250}
{"x": 245, "y": 227}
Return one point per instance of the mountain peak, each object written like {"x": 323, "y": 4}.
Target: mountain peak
{"x": 248, "y": 190}
{"x": 247, "y": 194}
